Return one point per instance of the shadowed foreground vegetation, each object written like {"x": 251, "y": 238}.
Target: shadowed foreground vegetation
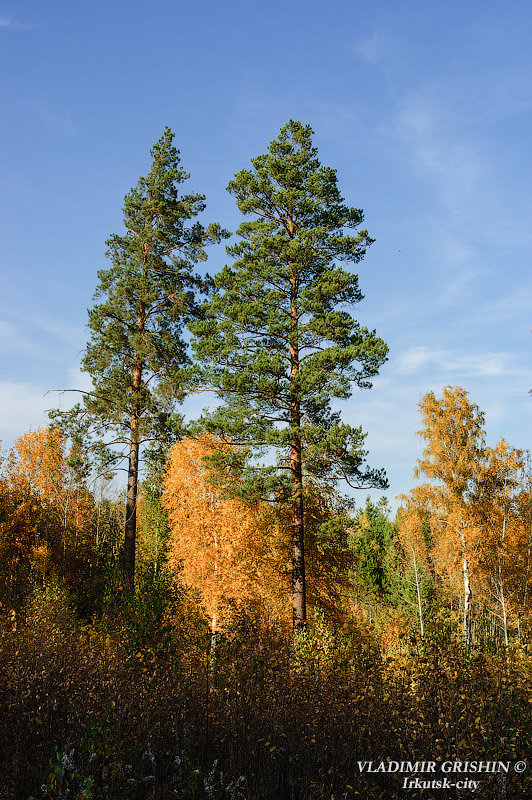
{"x": 193, "y": 686}
{"x": 143, "y": 705}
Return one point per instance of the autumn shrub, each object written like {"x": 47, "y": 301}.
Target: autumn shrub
{"x": 80, "y": 712}
{"x": 144, "y": 616}
{"x": 102, "y": 713}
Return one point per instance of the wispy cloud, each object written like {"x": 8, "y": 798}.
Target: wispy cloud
{"x": 9, "y": 22}
{"x": 506, "y": 308}
{"x": 35, "y": 335}
{"x": 78, "y": 379}
{"x": 56, "y": 122}
{"x": 413, "y": 360}
{"x": 448, "y": 362}
{"x": 15, "y": 340}
{"x": 453, "y": 162}
{"x": 23, "y": 407}
{"x": 54, "y": 327}
{"x": 373, "y": 48}
{"x": 439, "y": 141}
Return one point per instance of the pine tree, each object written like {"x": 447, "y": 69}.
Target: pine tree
{"x": 371, "y": 546}
{"x": 137, "y": 354}
{"x": 279, "y": 342}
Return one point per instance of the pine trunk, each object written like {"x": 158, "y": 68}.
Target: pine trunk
{"x": 299, "y": 606}
{"x": 132, "y": 485}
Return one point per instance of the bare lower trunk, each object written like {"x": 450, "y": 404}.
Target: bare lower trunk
{"x": 214, "y": 619}
{"x": 467, "y": 594}
{"x": 419, "y": 607}
{"x": 502, "y": 597}
{"x": 214, "y": 622}
{"x": 527, "y": 569}
{"x": 299, "y": 608}
{"x": 132, "y": 485}
{"x": 131, "y": 516}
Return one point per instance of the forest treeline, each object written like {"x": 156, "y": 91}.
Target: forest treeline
{"x": 459, "y": 546}
{"x": 237, "y": 626}
{"x": 193, "y": 686}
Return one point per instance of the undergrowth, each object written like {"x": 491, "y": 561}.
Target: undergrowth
{"x": 142, "y": 705}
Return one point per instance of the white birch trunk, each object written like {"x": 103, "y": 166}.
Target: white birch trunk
{"x": 467, "y": 593}
{"x": 420, "y": 610}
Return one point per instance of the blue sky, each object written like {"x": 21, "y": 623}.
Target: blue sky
{"x": 424, "y": 108}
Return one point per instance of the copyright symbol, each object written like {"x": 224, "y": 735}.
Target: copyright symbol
{"x": 520, "y": 766}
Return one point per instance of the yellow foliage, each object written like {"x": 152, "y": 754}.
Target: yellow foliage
{"x": 218, "y": 543}
{"x": 478, "y": 505}
{"x": 46, "y": 512}
{"x": 502, "y": 503}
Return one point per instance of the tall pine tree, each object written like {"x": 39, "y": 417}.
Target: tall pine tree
{"x": 137, "y": 356}
{"x": 278, "y": 341}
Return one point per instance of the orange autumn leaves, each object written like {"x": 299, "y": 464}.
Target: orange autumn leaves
{"x": 45, "y": 513}
{"x": 218, "y": 544}
{"x": 236, "y": 555}
{"x": 479, "y": 510}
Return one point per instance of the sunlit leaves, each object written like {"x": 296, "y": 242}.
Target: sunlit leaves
{"x": 218, "y": 544}
{"x": 478, "y": 510}
{"x": 46, "y": 513}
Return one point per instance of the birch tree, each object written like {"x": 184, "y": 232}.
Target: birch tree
{"x": 453, "y": 457}
{"x": 217, "y": 544}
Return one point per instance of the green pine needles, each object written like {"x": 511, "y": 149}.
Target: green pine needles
{"x": 278, "y": 341}
{"x": 137, "y": 354}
